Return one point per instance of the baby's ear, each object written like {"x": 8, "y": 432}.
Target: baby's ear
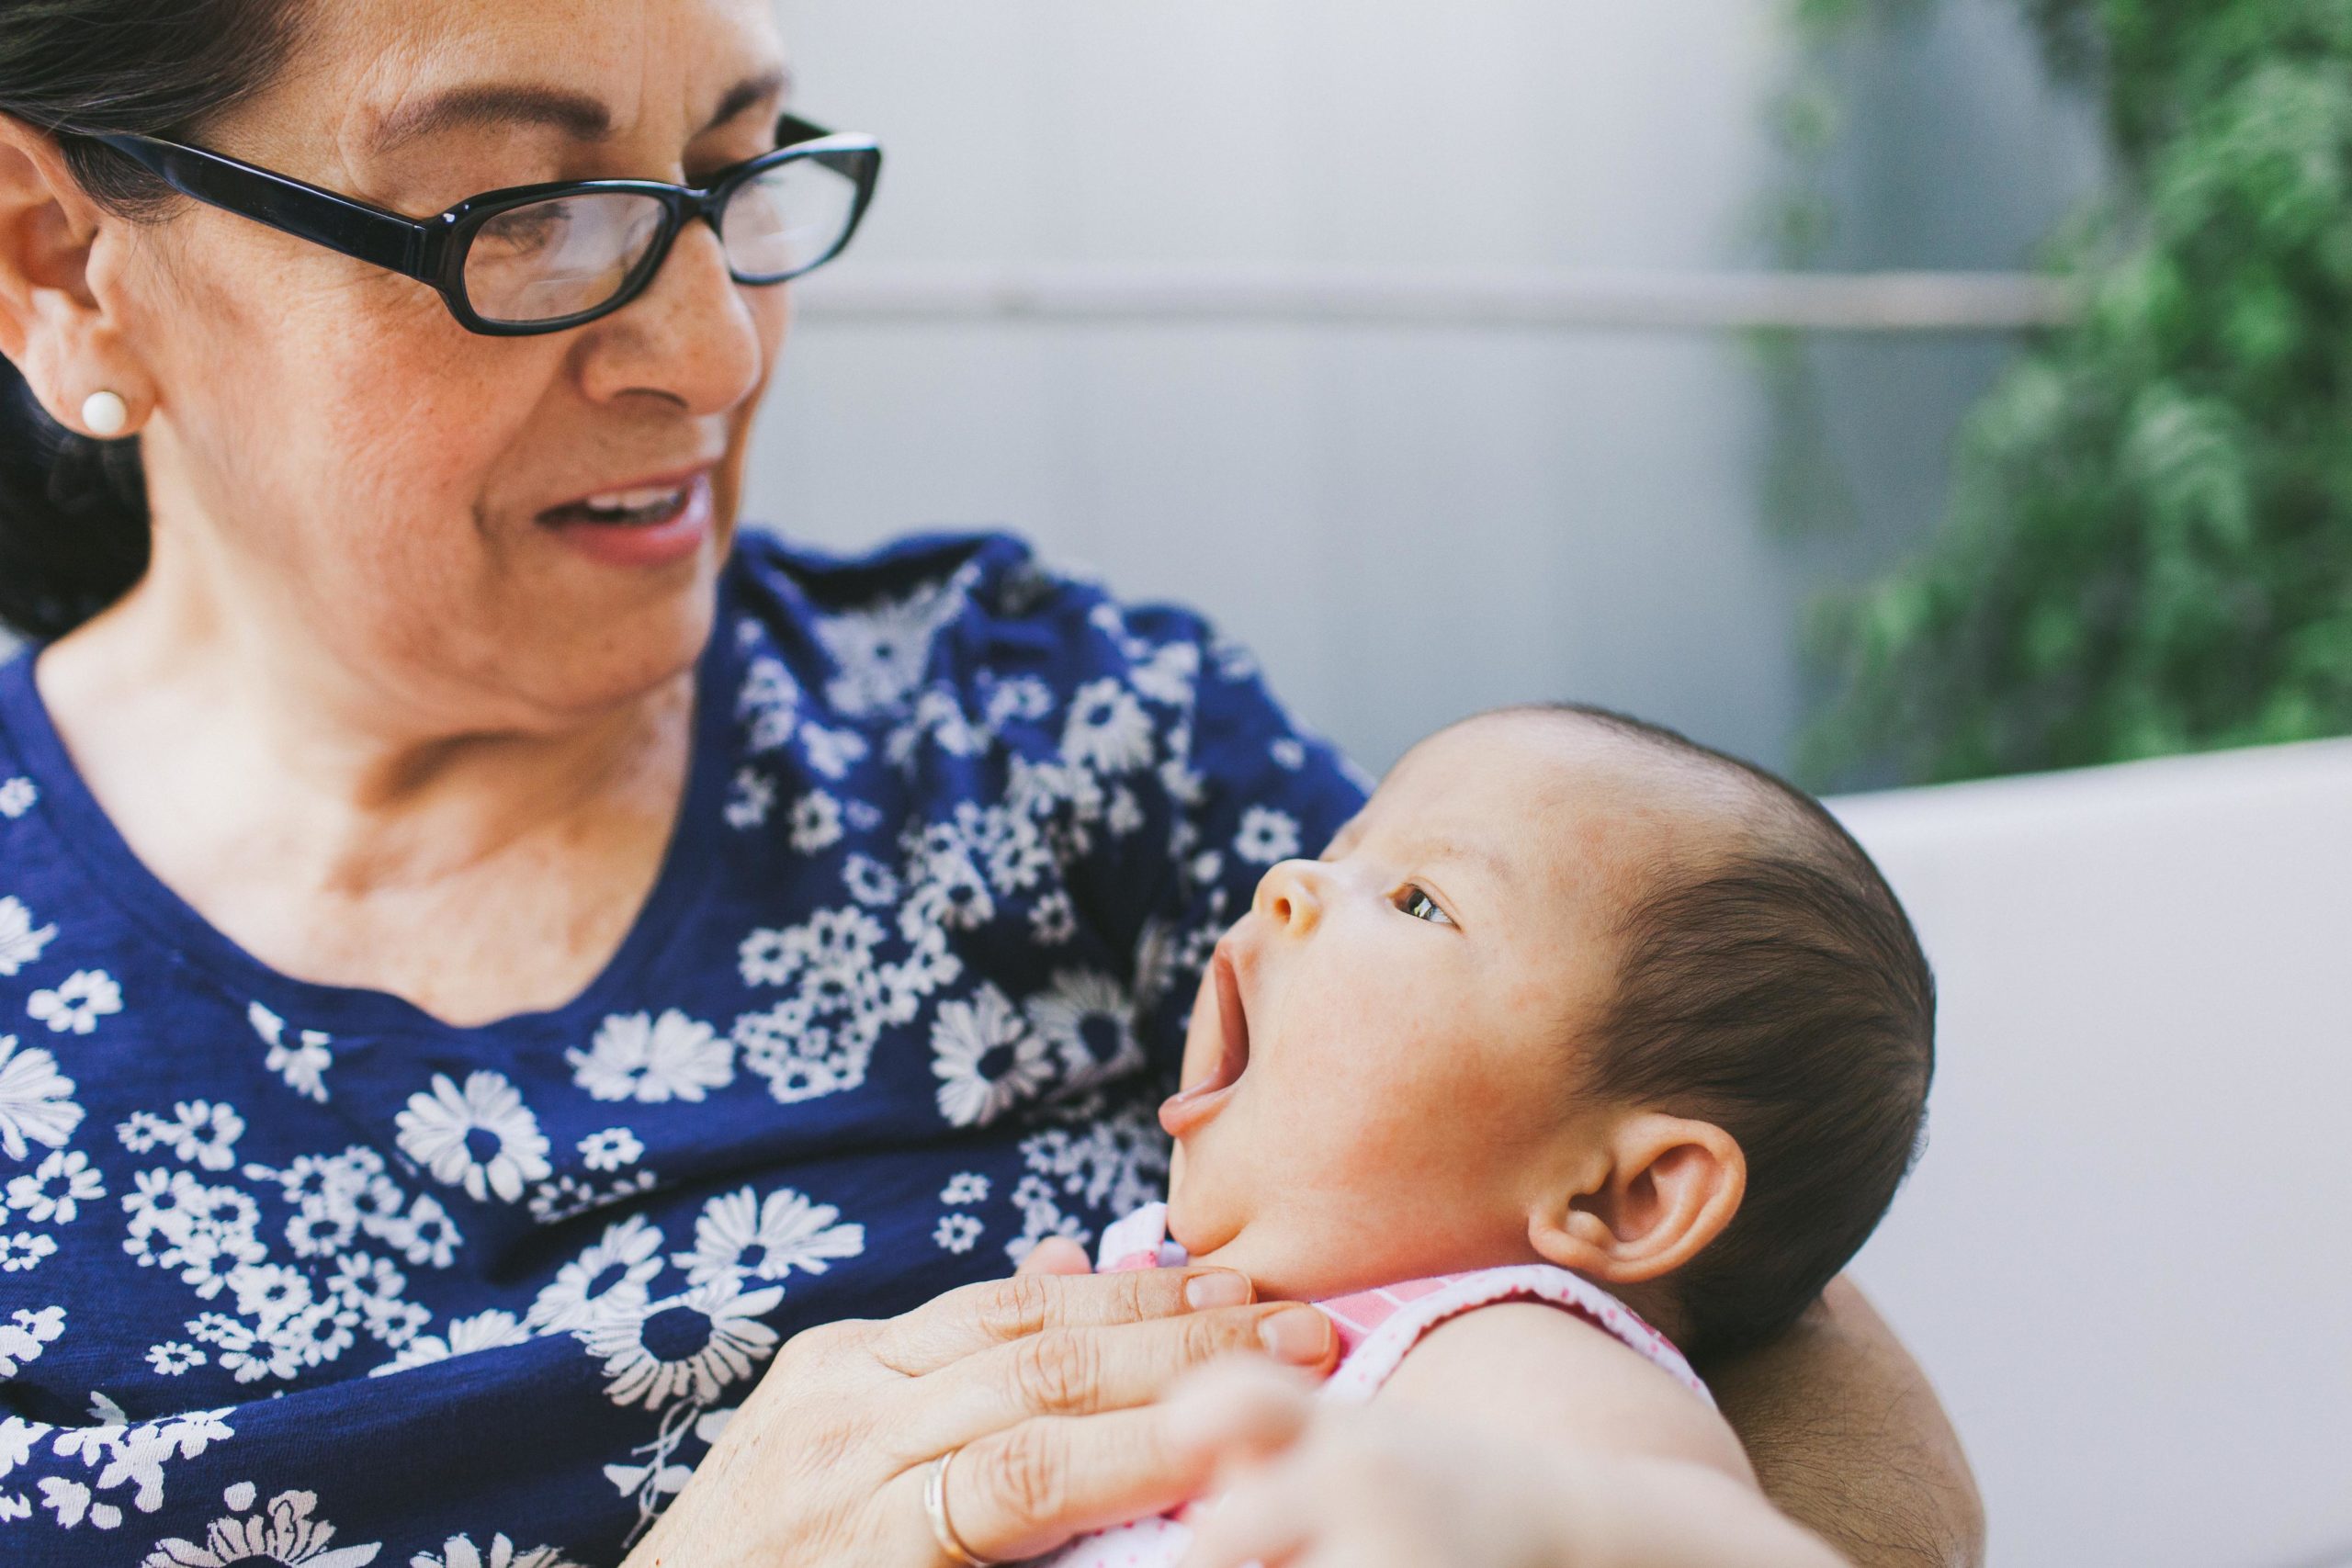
{"x": 1665, "y": 1187}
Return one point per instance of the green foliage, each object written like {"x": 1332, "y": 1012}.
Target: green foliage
{"x": 2149, "y": 546}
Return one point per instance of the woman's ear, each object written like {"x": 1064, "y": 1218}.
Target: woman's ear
{"x": 53, "y": 326}
{"x": 1668, "y": 1186}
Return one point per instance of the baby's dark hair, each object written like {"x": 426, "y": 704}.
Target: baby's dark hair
{"x": 1778, "y": 991}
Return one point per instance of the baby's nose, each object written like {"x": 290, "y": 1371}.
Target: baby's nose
{"x": 1291, "y": 895}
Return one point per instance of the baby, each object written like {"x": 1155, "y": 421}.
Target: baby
{"x": 1581, "y": 1043}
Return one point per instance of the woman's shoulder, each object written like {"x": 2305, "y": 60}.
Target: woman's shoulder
{"x": 991, "y": 577}
{"x": 935, "y": 629}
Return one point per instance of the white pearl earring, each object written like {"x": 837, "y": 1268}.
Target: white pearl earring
{"x": 105, "y": 415}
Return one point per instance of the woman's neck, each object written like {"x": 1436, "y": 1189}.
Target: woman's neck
{"x": 315, "y": 816}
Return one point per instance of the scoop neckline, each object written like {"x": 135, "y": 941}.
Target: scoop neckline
{"x": 87, "y": 836}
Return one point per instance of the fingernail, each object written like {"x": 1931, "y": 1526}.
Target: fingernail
{"x": 1204, "y": 1291}
{"x": 1300, "y": 1337}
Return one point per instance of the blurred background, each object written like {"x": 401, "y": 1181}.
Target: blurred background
{"x": 1893, "y": 390}
{"x": 1409, "y": 340}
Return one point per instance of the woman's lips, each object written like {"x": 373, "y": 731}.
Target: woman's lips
{"x": 1193, "y": 1106}
{"x": 656, "y": 540}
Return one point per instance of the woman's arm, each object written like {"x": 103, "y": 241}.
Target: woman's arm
{"x": 1847, "y": 1437}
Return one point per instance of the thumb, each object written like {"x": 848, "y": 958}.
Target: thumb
{"x": 1055, "y": 1255}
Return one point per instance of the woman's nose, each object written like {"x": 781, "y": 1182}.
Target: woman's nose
{"x": 692, "y": 336}
{"x": 1291, "y": 895}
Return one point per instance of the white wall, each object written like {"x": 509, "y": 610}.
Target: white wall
{"x": 1408, "y": 525}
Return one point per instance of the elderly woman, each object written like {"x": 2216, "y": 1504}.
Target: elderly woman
{"x": 530, "y": 1016}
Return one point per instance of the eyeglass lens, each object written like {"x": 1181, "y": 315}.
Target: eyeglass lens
{"x": 573, "y": 254}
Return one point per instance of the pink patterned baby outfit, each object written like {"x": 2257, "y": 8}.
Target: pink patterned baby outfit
{"x": 1376, "y": 1327}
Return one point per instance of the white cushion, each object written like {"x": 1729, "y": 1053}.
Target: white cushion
{"x": 2126, "y": 1259}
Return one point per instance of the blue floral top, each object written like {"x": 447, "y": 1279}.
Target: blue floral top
{"x": 296, "y": 1273}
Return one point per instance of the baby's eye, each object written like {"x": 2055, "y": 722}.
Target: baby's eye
{"x": 1421, "y": 907}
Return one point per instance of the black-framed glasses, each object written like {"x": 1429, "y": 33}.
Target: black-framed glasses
{"x": 542, "y": 258}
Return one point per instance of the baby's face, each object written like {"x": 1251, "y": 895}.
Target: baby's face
{"x": 1381, "y": 1077}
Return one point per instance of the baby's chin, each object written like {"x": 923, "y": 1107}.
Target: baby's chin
{"x": 1279, "y": 1271}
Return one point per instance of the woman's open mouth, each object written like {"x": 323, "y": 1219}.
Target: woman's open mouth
{"x": 1197, "y": 1103}
{"x": 649, "y": 524}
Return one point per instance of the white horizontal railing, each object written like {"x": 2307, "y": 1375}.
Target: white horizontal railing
{"x": 1554, "y": 301}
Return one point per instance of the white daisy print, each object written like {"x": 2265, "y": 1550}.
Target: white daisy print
{"x": 1125, "y": 814}
{"x": 302, "y": 1058}
{"x": 24, "y": 1250}
{"x": 1266, "y": 835}
{"x": 482, "y": 1137}
{"x": 24, "y": 1334}
{"x": 1107, "y": 730}
{"x": 459, "y": 1551}
{"x": 749, "y": 799}
{"x": 18, "y": 796}
{"x": 1086, "y": 1018}
{"x": 1288, "y": 752}
{"x": 490, "y": 1330}
{"x": 869, "y": 881}
{"x": 711, "y": 1336}
{"x": 965, "y": 1187}
{"x": 1184, "y": 786}
{"x": 986, "y": 1058}
{"x": 770, "y": 704}
{"x": 610, "y": 1149}
{"x": 608, "y": 1280}
{"x": 950, "y": 893}
{"x": 802, "y": 1060}
{"x": 1167, "y": 674}
{"x": 202, "y": 1134}
{"x": 20, "y": 942}
{"x": 36, "y": 1100}
{"x": 1023, "y": 698}
{"x": 816, "y": 823}
{"x": 883, "y": 650}
{"x": 636, "y": 1057}
{"x": 1234, "y": 661}
{"x": 205, "y": 1233}
{"x": 174, "y": 1357}
{"x": 125, "y": 1454}
{"x": 739, "y": 1237}
{"x": 957, "y": 1233}
{"x": 831, "y": 753}
{"x": 767, "y": 684}
{"x": 1054, "y": 921}
{"x": 838, "y": 942}
{"x": 56, "y": 1189}
{"x": 87, "y": 995}
{"x": 282, "y": 1536}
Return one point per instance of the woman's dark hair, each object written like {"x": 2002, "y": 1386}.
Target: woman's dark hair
{"x": 73, "y": 527}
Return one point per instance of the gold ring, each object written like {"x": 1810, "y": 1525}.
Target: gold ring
{"x": 935, "y": 1505}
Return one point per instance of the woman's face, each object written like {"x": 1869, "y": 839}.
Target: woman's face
{"x": 363, "y": 483}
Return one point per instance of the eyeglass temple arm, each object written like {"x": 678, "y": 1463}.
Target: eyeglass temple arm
{"x": 367, "y": 234}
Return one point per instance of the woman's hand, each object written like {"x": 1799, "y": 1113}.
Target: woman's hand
{"x": 1303, "y": 1484}
{"x": 1042, "y": 1385}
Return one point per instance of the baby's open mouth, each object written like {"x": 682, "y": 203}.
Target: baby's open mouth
{"x": 1194, "y": 1105}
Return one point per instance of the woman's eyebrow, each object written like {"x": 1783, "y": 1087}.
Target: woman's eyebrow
{"x": 577, "y": 115}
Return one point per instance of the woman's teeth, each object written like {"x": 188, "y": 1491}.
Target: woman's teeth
{"x": 627, "y": 507}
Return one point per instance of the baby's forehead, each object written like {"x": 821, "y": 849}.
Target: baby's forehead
{"x": 1545, "y": 783}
